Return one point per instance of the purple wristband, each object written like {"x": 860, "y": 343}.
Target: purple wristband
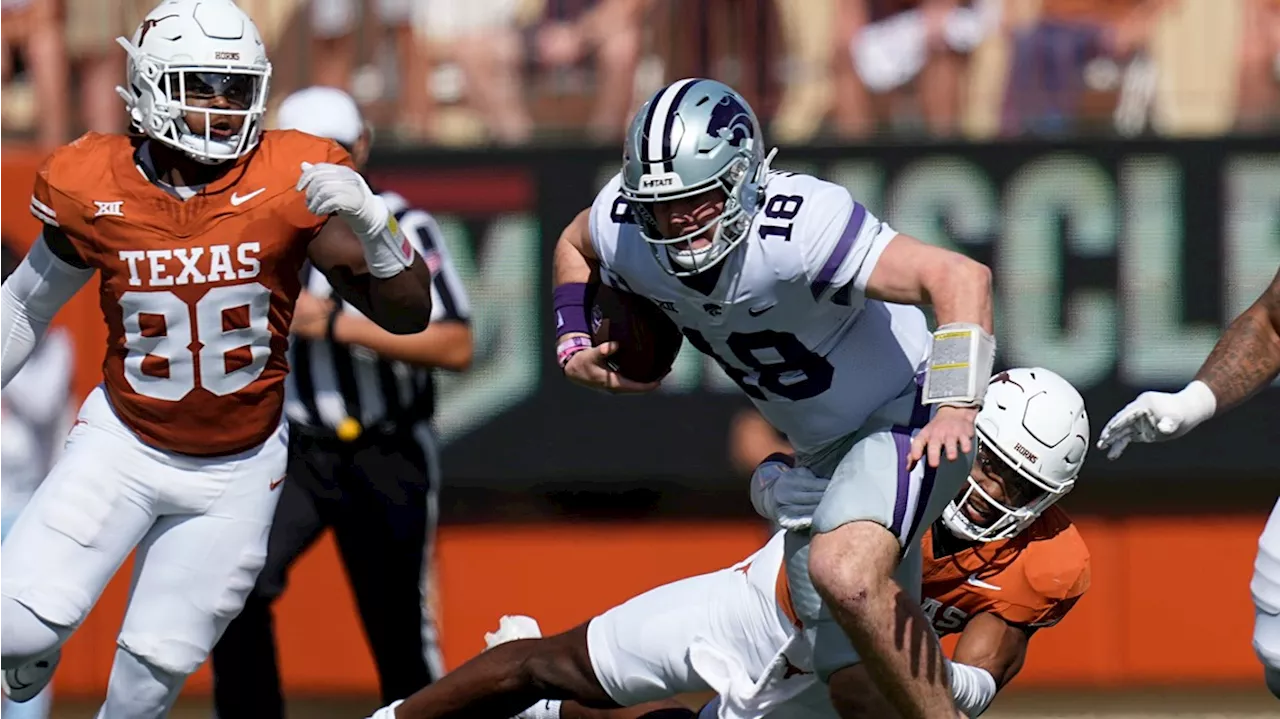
{"x": 570, "y": 302}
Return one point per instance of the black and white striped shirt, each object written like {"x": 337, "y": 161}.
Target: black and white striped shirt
{"x": 329, "y": 382}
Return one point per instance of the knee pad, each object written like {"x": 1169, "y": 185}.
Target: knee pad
{"x": 167, "y": 655}
{"x": 25, "y": 635}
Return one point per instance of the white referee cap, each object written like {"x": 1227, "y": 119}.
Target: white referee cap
{"x": 324, "y": 112}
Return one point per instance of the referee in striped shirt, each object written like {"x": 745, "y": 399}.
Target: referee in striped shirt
{"x": 361, "y": 455}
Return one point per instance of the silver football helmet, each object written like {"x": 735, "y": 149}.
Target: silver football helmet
{"x": 692, "y": 136}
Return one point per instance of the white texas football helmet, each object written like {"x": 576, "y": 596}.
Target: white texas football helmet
{"x": 1033, "y": 421}
{"x": 190, "y": 50}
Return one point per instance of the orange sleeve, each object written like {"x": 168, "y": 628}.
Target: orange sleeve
{"x": 1056, "y": 573}
{"x": 42, "y": 203}
{"x": 53, "y": 201}
{"x": 338, "y": 155}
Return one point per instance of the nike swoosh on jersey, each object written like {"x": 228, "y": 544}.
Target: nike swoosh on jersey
{"x": 238, "y": 200}
{"x": 973, "y": 579}
{"x": 757, "y": 311}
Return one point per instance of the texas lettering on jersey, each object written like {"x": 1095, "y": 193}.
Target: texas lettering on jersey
{"x": 788, "y": 318}
{"x": 197, "y": 294}
{"x": 181, "y": 266}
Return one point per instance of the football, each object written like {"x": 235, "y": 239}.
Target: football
{"x": 648, "y": 341}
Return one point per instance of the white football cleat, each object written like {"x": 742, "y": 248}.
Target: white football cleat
{"x": 25, "y": 682}
{"x": 511, "y": 628}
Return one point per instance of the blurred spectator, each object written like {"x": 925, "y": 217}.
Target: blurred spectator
{"x": 334, "y": 29}
{"x": 807, "y": 33}
{"x": 491, "y": 40}
{"x": 65, "y": 44}
{"x": 33, "y": 35}
{"x": 1258, "y": 105}
{"x": 98, "y": 63}
{"x": 887, "y": 46}
{"x": 1070, "y": 41}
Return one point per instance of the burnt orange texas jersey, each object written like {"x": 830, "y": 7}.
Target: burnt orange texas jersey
{"x": 197, "y": 294}
{"x": 1032, "y": 579}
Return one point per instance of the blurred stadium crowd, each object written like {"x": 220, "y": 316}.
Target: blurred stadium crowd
{"x": 510, "y": 72}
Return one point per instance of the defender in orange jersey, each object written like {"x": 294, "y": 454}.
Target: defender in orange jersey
{"x": 199, "y": 227}
{"x": 1000, "y": 564}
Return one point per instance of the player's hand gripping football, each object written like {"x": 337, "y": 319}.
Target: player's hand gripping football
{"x": 589, "y": 367}
{"x": 1157, "y": 417}
{"x": 949, "y": 434}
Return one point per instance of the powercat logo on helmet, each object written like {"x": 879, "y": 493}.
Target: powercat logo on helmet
{"x": 731, "y": 121}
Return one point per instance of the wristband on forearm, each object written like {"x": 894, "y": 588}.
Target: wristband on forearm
{"x": 572, "y": 332}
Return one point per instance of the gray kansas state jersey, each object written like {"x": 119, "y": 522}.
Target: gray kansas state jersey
{"x": 788, "y": 319}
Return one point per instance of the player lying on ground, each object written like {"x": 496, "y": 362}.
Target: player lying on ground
{"x": 1246, "y": 359}
{"x": 807, "y": 301}
{"x": 1000, "y": 564}
{"x": 198, "y": 227}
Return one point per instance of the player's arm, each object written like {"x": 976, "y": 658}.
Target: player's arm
{"x": 1247, "y": 357}
{"x": 574, "y": 267}
{"x": 399, "y": 303}
{"x": 911, "y": 272}
{"x": 958, "y": 289}
{"x": 988, "y": 656}
{"x": 445, "y": 344}
{"x": 50, "y": 275}
{"x": 752, "y": 439}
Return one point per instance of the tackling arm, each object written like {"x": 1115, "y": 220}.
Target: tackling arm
{"x": 1247, "y": 357}
{"x": 399, "y": 304}
{"x": 48, "y": 277}
{"x": 988, "y": 656}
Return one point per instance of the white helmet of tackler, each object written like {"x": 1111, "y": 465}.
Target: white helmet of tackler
{"x": 183, "y": 41}
{"x": 1034, "y": 421}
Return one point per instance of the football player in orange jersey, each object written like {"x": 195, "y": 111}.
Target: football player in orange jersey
{"x": 1000, "y": 564}
{"x": 198, "y": 227}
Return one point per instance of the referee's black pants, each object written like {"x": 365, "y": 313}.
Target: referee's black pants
{"x": 378, "y": 494}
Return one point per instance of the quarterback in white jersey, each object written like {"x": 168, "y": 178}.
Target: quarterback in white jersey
{"x": 790, "y": 322}
{"x": 810, "y": 304}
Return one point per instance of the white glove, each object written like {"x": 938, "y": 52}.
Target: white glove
{"x": 337, "y": 189}
{"x": 786, "y": 495}
{"x": 1158, "y": 416}
{"x": 511, "y": 628}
